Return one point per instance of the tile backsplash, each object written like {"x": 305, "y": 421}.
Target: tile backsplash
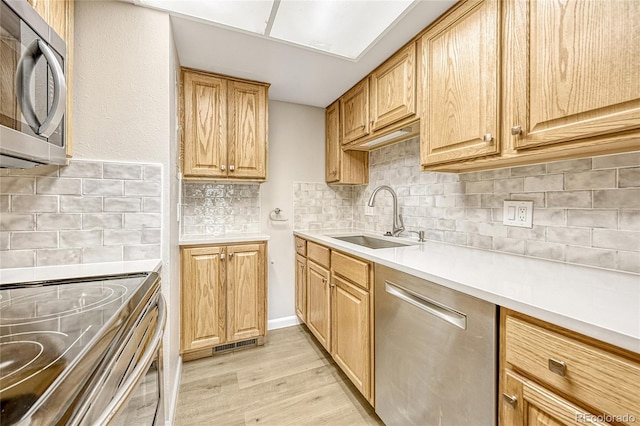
{"x": 586, "y": 211}
{"x": 318, "y": 206}
{"x": 214, "y": 208}
{"x": 86, "y": 212}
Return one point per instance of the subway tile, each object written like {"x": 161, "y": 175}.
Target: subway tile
{"x": 545, "y": 250}
{"x": 453, "y": 237}
{"x": 141, "y": 220}
{"x": 535, "y": 233}
{"x": 151, "y": 251}
{"x": 570, "y": 236}
{"x": 83, "y": 169}
{"x": 33, "y": 240}
{"x": 80, "y": 238}
{"x": 102, "y": 221}
{"x": 4, "y": 240}
{"x": 469, "y": 176}
{"x": 593, "y": 218}
{"x": 4, "y": 203}
{"x": 122, "y": 204}
{"x": 502, "y": 186}
{"x": 508, "y": 245}
{"x": 58, "y": 186}
{"x": 58, "y": 221}
{"x": 478, "y": 215}
{"x": 618, "y": 240}
{"x": 446, "y": 224}
{"x": 495, "y": 174}
{"x": 492, "y": 229}
{"x": 490, "y": 201}
{"x": 597, "y": 179}
{"x": 544, "y": 183}
{"x": 152, "y": 236}
{"x": 629, "y": 220}
{"x": 467, "y": 226}
{"x": 618, "y": 160}
{"x": 569, "y": 199}
{"x": 480, "y": 187}
{"x": 591, "y": 257}
{"x": 538, "y": 198}
{"x": 17, "y": 259}
{"x": 34, "y": 203}
{"x": 153, "y": 172}
{"x": 50, "y": 170}
{"x": 151, "y": 188}
{"x": 617, "y": 198}
{"x": 629, "y": 178}
{"x": 434, "y": 235}
{"x": 480, "y": 241}
{"x": 551, "y": 217}
{"x": 102, "y": 187}
{"x": 580, "y": 165}
{"x": 54, "y": 257}
{"x": 629, "y": 261}
{"x": 534, "y": 170}
{"x": 152, "y": 204}
{"x": 472, "y": 200}
{"x": 102, "y": 254}
{"x": 80, "y": 204}
{"x": 17, "y": 185}
{"x": 115, "y": 237}
{"x": 122, "y": 171}
{"x": 17, "y": 222}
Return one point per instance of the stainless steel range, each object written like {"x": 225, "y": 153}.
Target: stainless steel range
{"x": 74, "y": 351}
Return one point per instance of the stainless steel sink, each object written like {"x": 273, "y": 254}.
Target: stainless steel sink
{"x": 370, "y": 242}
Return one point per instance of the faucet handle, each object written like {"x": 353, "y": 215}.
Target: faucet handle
{"x": 421, "y": 236}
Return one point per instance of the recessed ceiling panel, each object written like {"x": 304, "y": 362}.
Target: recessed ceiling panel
{"x": 247, "y": 15}
{"x": 341, "y": 27}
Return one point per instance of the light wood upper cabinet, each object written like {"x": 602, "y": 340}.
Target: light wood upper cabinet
{"x": 572, "y": 70}
{"x": 318, "y": 303}
{"x": 203, "y": 298}
{"x": 225, "y": 127}
{"x": 354, "y": 112}
{"x": 301, "y": 287}
{"x": 460, "y": 66}
{"x": 347, "y": 167}
{"x": 393, "y": 89}
{"x": 223, "y": 294}
{"x": 247, "y": 130}
{"x": 205, "y": 125}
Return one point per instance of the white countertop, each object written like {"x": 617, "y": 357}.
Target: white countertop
{"x": 599, "y": 303}
{"x": 222, "y": 239}
{"x": 86, "y": 270}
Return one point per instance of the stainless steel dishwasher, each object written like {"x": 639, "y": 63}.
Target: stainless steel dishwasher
{"x": 435, "y": 354}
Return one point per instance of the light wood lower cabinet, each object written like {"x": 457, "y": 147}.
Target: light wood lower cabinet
{"x": 223, "y": 296}
{"x": 339, "y": 309}
{"x": 552, "y": 376}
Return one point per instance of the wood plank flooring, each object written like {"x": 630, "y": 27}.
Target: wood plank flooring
{"x": 291, "y": 380}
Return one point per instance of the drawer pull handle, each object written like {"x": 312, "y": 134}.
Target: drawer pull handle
{"x": 510, "y": 399}
{"x": 558, "y": 367}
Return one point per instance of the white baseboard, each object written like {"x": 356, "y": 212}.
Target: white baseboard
{"x": 173, "y": 401}
{"x": 277, "y": 323}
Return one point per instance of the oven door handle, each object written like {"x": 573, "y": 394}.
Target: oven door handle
{"x": 24, "y": 73}
{"x": 129, "y": 385}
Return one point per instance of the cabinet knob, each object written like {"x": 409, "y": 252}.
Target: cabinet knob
{"x": 332, "y": 284}
{"x": 324, "y": 281}
{"x": 558, "y": 367}
{"x": 510, "y": 399}
{"x": 488, "y": 137}
{"x": 223, "y": 167}
{"x": 221, "y": 256}
{"x": 232, "y": 168}
{"x": 516, "y": 130}
{"x": 230, "y": 255}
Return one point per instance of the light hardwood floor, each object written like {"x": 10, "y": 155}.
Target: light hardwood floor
{"x": 290, "y": 380}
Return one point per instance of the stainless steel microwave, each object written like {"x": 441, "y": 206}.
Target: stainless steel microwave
{"x": 32, "y": 89}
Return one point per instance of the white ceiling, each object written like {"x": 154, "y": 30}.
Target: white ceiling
{"x": 296, "y": 74}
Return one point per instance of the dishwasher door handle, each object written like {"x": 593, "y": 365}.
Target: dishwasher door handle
{"x": 434, "y": 308}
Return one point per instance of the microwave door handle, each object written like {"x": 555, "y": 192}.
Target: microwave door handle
{"x": 24, "y": 71}
{"x": 52, "y": 121}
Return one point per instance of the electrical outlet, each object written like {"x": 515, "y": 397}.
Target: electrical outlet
{"x": 368, "y": 211}
{"x": 518, "y": 213}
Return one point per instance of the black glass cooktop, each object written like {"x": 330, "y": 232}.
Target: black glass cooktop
{"x": 53, "y": 334}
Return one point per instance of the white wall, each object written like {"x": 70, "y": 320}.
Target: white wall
{"x": 296, "y": 154}
{"x": 125, "y": 110}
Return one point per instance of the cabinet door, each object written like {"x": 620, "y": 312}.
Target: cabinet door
{"x": 205, "y": 125}
{"x": 333, "y": 150}
{"x": 571, "y": 69}
{"x": 350, "y": 341}
{"x": 526, "y": 403}
{"x": 354, "y": 112}
{"x": 203, "y": 297}
{"x": 460, "y": 63}
{"x": 318, "y": 306}
{"x": 247, "y": 130}
{"x": 301, "y": 287}
{"x": 246, "y": 294}
{"x": 393, "y": 89}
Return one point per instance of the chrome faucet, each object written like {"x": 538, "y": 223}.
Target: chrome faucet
{"x": 398, "y": 224}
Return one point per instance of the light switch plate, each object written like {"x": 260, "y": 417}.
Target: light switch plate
{"x": 518, "y": 213}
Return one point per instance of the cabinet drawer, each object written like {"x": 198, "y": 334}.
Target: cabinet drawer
{"x": 319, "y": 254}
{"x": 600, "y": 379}
{"x": 301, "y": 246}
{"x": 351, "y": 268}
